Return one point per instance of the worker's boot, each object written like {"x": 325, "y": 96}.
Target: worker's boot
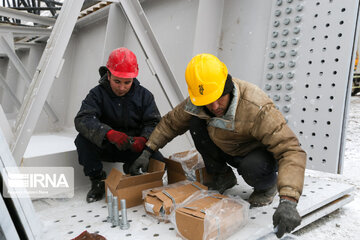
{"x": 261, "y": 198}
{"x": 223, "y": 181}
{"x": 97, "y": 190}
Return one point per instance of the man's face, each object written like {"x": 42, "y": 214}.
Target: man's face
{"x": 120, "y": 86}
{"x": 219, "y": 107}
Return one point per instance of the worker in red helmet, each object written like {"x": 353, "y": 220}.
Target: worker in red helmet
{"x": 115, "y": 120}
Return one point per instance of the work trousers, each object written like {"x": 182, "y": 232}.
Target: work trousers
{"x": 258, "y": 168}
{"x": 91, "y": 156}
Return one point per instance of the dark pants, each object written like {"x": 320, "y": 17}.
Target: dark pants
{"x": 91, "y": 156}
{"x": 258, "y": 168}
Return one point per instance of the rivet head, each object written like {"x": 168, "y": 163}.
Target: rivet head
{"x": 279, "y": 76}
{"x": 269, "y": 76}
{"x": 288, "y": 86}
{"x": 290, "y": 75}
{"x": 278, "y": 86}
{"x": 289, "y": 1}
{"x": 297, "y": 19}
{"x": 296, "y": 30}
{"x": 299, "y": 8}
{"x": 268, "y": 87}
{"x": 275, "y": 34}
{"x": 276, "y": 23}
{"x": 288, "y": 10}
{"x": 272, "y": 55}
{"x": 283, "y": 43}
{"x": 282, "y": 54}
{"x": 279, "y": 2}
{"x": 281, "y": 64}
{"x": 273, "y": 44}
{"x": 277, "y": 13}
{"x": 286, "y": 21}
{"x": 285, "y": 32}
{"x": 286, "y": 109}
{"x": 270, "y": 66}
{"x": 293, "y": 52}
{"x": 276, "y": 97}
{"x": 292, "y": 64}
{"x": 294, "y": 41}
{"x": 287, "y": 98}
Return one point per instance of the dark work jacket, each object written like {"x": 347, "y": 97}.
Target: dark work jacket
{"x": 135, "y": 113}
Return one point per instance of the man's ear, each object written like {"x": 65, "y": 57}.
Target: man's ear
{"x": 108, "y": 75}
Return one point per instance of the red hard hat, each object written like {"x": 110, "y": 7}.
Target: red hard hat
{"x": 122, "y": 63}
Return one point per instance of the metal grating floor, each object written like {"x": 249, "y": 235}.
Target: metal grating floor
{"x": 67, "y": 218}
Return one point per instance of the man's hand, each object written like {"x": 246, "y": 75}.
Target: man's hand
{"x": 120, "y": 139}
{"x": 286, "y": 217}
{"x": 138, "y": 144}
{"x": 141, "y": 162}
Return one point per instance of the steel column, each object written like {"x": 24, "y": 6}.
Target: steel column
{"x": 46, "y": 72}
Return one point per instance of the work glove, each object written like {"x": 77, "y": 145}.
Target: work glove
{"x": 286, "y": 217}
{"x": 141, "y": 162}
{"x": 137, "y": 143}
{"x": 120, "y": 139}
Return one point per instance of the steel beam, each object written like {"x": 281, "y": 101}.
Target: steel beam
{"x": 24, "y": 73}
{"x": 21, "y": 31}
{"x": 12, "y": 94}
{"x": 44, "y": 76}
{"x": 208, "y": 26}
{"x": 155, "y": 57}
{"x": 29, "y": 17}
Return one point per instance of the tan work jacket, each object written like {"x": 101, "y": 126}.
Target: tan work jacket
{"x": 251, "y": 121}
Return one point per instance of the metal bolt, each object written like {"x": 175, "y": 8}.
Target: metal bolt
{"x": 270, "y": 66}
{"x": 282, "y": 54}
{"x": 293, "y": 52}
{"x": 299, "y": 8}
{"x": 287, "y": 98}
{"x": 296, "y": 30}
{"x": 278, "y": 86}
{"x": 288, "y": 86}
{"x": 289, "y": 1}
{"x": 292, "y": 64}
{"x": 268, "y": 87}
{"x": 285, "y": 32}
{"x": 277, "y": 13}
{"x": 124, "y": 224}
{"x": 273, "y": 44}
{"x": 288, "y": 10}
{"x": 286, "y": 109}
{"x": 272, "y": 55}
{"x": 290, "y": 75}
{"x": 294, "y": 41}
{"x": 281, "y": 64}
{"x": 283, "y": 43}
{"x": 115, "y": 221}
{"x": 276, "y": 97}
{"x": 297, "y": 19}
{"x": 275, "y": 34}
{"x": 279, "y": 76}
{"x": 279, "y": 2}
{"x": 269, "y": 76}
{"x": 286, "y": 21}
{"x": 276, "y": 23}
{"x": 110, "y": 206}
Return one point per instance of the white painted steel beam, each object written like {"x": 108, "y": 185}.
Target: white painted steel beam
{"x": 44, "y": 76}
{"x": 155, "y": 58}
{"x": 11, "y": 93}
{"x": 29, "y": 17}
{"x": 21, "y": 31}
{"x": 208, "y": 27}
{"x": 24, "y": 73}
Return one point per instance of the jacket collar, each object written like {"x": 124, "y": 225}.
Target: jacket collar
{"x": 227, "y": 121}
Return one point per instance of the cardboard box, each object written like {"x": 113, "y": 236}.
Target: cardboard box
{"x": 159, "y": 202}
{"x": 130, "y": 187}
{"x": 187, "y": 165}
{"x": 211, "y": 217}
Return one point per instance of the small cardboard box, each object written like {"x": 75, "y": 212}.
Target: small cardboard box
{"x": 211, "y": 217}
{"x": 187, "y": 165}
{"x": 130, "y": 187}
{"x": 159, "y": 202}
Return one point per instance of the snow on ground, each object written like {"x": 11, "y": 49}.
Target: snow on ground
{"x": 344, "y": 222}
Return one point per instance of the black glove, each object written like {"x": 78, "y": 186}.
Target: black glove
{"x": 141, "y": 162}
{"x": 286, "y": 217}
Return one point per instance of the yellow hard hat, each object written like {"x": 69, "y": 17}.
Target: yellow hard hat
{"x": 205, "y": 76}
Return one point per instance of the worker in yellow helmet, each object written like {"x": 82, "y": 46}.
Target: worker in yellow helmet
{"x": 233, "y": 122}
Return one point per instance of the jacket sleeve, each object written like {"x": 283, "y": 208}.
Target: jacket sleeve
{"x": 174, "y": 123}
{"x": 151, "y": 115}
{"x": 87, "y": 121}
{"x": 271, "y": 129}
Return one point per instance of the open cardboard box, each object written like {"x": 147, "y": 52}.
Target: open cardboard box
{"x": 130, "y": 187}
